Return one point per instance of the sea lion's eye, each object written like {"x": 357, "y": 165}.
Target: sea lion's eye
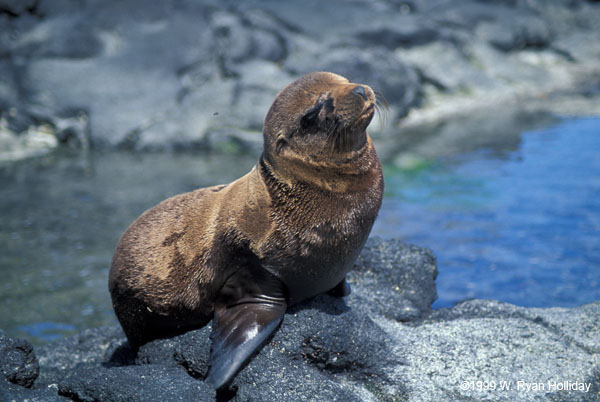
{"x": 328, "y": 106}
{"x": 311, "y": 117}
{"x": 317, "y": 112}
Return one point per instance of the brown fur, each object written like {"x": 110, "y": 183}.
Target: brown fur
{"x": 303, "y": 213}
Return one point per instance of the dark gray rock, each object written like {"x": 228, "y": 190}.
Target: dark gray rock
{"x": 241, "y": 37}
{"x": 383, "y": 342}
{"x": 399, "y": 37}
{"x": 92, "y": 346}
{"x": 323, "y": 349}
{"x": 12, "y": 392}
{"x": 394, "y": 280}
{"x": 133, "y": 383}
{"x": 48, "y": 8}
{"x": 321, "y": 345}
{"x": 190, "y": 351}
{"x": 19, "y": 368}
{"x": 18, "y": 363}
{"x": 15, "y": 8}
{"x": 517, "y": 33}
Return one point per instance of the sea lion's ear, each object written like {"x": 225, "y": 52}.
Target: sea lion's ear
{"x": 250, "y": 308}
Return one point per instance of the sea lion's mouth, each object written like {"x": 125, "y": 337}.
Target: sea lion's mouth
{"x": 367, "y": 114}
{"x": 369, "y": 110}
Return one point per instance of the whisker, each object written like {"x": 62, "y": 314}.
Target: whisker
{"x": 382, "y": 107}
{"x": 380, "y": 100}
{"x": 331, "y": 140}
{"x": 339, "y": 138}
{"x": 383, "y": 113}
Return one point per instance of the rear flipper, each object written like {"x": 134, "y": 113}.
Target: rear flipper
{"x": 249, "y": 309}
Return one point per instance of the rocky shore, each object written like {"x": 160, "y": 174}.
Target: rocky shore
{"x": 201, "y": 74}
{"x": 381, "y": 343}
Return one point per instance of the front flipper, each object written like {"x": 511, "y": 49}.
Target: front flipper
{"x": 250, "y": 307}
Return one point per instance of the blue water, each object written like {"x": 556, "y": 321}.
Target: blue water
{"x": 523, "y": 227}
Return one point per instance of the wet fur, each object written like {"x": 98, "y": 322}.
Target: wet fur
{"x": 303, "y": 213}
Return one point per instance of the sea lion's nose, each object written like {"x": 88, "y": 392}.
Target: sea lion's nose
{"x": 360, "y": 90}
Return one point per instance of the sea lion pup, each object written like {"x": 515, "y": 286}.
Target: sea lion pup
{"x": 242, "y": 252}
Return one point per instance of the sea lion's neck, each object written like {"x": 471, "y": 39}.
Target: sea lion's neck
{"x": 356, "y": 171}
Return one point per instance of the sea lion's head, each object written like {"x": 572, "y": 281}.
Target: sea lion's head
{"x": 321, "y": 117}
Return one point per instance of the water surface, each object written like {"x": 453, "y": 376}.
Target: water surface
{"x": 521, "y": 226}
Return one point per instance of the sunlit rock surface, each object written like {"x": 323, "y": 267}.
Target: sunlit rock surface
{"x": 192, "y": 74}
